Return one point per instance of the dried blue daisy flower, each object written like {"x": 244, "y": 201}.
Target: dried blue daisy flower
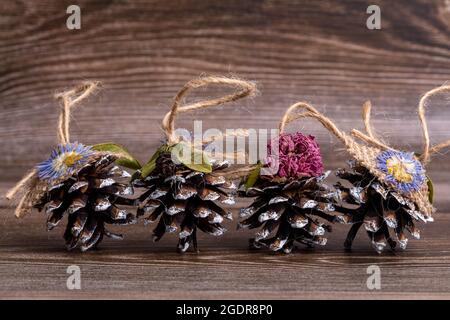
{"x": 403, "y": 171}
{"x": 78, "y": 182}
{"x": 65, "y": 160}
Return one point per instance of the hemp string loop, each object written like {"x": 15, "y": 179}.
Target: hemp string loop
{"x": 427, "y": 151}
{"x": 311, "y": 112}
{"x": 243, "y": 89}
{"x": 68, "y": 100}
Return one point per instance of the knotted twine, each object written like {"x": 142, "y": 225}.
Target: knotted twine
{"x": 30, "y": 187}
{"x": 367, "y": 153}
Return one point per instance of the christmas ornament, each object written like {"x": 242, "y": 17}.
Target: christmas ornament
{"x": 387, "y": 190}
{"x": 290, "y": 202}
{"x": 79, "y": 181}
{"x": 183, "y": 188}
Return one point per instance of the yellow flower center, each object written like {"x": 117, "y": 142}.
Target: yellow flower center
{"x": 401, "y": 171}
{"x": 66, "y": 160}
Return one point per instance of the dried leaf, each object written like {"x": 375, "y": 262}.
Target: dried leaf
{"x": 253, "y": 176}
{"x": 430, "y": 190}
{"x": 197, "y": 160}
{"x": 125, "y": 158}
{"x": 151, "y": 164}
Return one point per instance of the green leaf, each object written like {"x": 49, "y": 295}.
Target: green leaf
{"x": 192, "y": 158}
{"x": 125, "y": 158}
{"x": 253, "y": 176}
{"x": 151, "y": 164}
{"x": 430, "y": 190}
{"x": 136, "y": 175}
{"x": 148, "y": 167}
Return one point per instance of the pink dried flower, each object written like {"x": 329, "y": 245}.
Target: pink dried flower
{"x": 299, "y": 155}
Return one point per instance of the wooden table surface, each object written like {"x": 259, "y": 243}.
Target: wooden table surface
{"x": 143, "y": 52}
{"x": 33, "y": 264}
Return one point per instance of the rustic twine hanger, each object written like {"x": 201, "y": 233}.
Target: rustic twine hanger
{"x": 244, "y": 89}
{"x": 368, "y": 152}
{"x": 68, "y": 99}
{"x": 370, "y": 138}
{"x": 427, "y": 151}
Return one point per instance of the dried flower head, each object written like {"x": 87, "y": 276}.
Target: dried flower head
{"x": 64, "y": 160}
{"x": 403, "y": 171}
{"x": 298, "y": 156}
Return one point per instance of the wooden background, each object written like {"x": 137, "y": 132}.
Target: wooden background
{"x": 144, "y": 51}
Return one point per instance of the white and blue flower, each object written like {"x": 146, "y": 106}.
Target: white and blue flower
{"x": 65, "y": 160}
{"x": 403, "y": 171}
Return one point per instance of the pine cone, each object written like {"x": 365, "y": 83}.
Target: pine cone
{"x": 184, "y": 200}
{"x": 378, "y": 207}
{"x": 89, "y": 196}
{"x": 288, "y": 203}
{"x": 288, "y": 209}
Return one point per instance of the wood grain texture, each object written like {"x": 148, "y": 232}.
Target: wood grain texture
{"x": 34, "y": 263}
{"x": 143, "y": 52}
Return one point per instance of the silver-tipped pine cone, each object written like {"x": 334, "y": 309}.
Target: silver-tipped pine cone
{"x": 90, "y": 199}
{"x": 184, "y": 200}
{"x": 385, "y": 214}
{"x": 288, "y": 211}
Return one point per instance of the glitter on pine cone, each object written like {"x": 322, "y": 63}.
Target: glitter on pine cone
{"x": 378, "y": 207}
{"x": 82, "y": 184}
{"x": 290, "y": 204}
{"x": 184, "y": 200}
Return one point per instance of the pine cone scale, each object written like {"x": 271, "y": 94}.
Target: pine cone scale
{"x": 286, "y": 207}
{"x": 89, "y": 198}
{"x": 378, "y": 207}
{"x": 183, "y": 200}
